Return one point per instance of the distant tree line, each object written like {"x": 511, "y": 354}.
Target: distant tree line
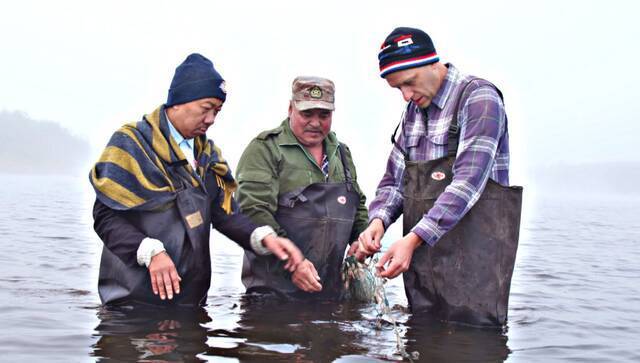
{"x": 29, "y": 146}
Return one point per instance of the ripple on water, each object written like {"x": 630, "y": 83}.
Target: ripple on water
{"x": 57, "y": 238}
{"x": 572, "y": 298}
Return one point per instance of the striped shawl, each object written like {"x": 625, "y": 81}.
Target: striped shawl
{"x": 131, "y": 173}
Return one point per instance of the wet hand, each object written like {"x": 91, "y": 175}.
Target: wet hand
{"x": 164, "y": 276}
{"x": 370, "y": 238}
{"x": 169, "y": 325}
{"x": 285, "y": 250}
{"x": 354, "y": 249}
{"x": 398, "y": 256}
{"x": 306, "y": 277}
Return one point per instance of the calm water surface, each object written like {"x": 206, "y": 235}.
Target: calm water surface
{"x": 575, "y": 295}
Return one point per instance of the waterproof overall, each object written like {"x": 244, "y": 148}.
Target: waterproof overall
{"x": 318, "y": 218}
{"x": 184, "y": 228}
{"x": 466, "y": 276}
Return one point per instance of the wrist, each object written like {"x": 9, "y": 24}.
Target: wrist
{"x": 163, "y": 252}
{"x": 381, "y": 217}
{"x": 149, "y": 247}
{"x": 258, "y": 237}
{"x": 378, "y": 223}
{"x": 413, "y": 239}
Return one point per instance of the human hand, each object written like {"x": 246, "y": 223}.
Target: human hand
{"x": 355, "y": 250}
{"x": 285, "y": 250}
{"x": 164, "y": 276}
{"x": 306, "y": 277}
{"x": 399, "y": 256}
{"x": 169, "y": 325}
{"x": 370, "y": 238}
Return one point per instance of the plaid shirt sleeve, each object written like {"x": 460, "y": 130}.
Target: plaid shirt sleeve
{"x": 387, "y": 204}
{"x": 482, "y": 122}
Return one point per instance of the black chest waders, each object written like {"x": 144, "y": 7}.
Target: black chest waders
{"x": 183, "y": 227}
{"x": 466, "y": 276}
{"x": 318, "y": 218}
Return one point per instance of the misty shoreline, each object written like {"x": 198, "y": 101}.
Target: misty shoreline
{"x": 34, "y": 147}
{"x": 29, "y": 146}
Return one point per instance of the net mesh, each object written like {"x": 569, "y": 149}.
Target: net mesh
{"x": 362, "y": 284}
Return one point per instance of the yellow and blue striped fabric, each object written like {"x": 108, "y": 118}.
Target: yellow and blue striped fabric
{"x": 131, "y": 172}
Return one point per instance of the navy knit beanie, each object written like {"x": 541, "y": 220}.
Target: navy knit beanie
{"x": 406, "y": 48}
{"x": 194, "y": 79}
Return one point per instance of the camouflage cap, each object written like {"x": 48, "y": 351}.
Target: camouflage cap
{"x": 313, "y": 92}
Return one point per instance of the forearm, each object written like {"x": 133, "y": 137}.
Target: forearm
{"x": 451, "y": 206}
{"x": 118, "y": 235}
{"x": 360, "y": 224}
{"x": 388, "y": 202}
{"x": 361, "y": 220}
{"x": 447, "y": 211}
{"x": 237, "y": 226}
{"x": 480, "y": 131}
{"x": 386, "y": 206}
{"x": 261, "y": 215}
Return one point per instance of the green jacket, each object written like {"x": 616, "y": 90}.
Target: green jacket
{"x": 275, "y": 163}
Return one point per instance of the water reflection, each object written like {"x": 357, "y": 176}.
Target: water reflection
{"x": 272, "y": 329}
{"x": 445, "y": 342}
{"x": 144, "y": 334}
{"x": 268, "y": 329}
{"x": 571, "y": 299}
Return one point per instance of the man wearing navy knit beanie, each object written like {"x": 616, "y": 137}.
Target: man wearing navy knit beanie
{"x": 160, "y": 185}
{"x": 448, "y": 175}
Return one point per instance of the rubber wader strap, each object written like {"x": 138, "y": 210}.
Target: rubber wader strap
{"x": 393, "y": 136}
{"x": 454, "y": 128}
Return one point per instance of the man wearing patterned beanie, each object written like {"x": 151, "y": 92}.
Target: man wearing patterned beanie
{"x": 160, "y": 185}
{"x": 448, "y": 175}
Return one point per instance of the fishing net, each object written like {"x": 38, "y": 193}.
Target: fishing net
{"x": 362, "y": 284}
{"x": 360, "y": 281}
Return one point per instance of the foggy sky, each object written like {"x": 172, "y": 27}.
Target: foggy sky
{"x": 568, "y": 69}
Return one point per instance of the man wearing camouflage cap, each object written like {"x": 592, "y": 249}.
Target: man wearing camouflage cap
{"x": 300, "y": 180}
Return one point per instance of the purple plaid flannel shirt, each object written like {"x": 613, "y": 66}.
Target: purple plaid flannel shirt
{"x": 483, "y": 152}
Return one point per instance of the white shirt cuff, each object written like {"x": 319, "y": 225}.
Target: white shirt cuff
{"x": 257, "y": 236}
{"x": 149, "y": 247}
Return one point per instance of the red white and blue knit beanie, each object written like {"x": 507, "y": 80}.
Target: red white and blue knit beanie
{"x": 406, "y": 48}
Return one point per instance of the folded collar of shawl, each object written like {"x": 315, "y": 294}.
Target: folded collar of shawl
{"x": 131, "y": 173}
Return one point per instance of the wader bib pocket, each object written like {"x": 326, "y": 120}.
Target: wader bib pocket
{"x": 318, "y": 218}
{"x": 186, "y": 242}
